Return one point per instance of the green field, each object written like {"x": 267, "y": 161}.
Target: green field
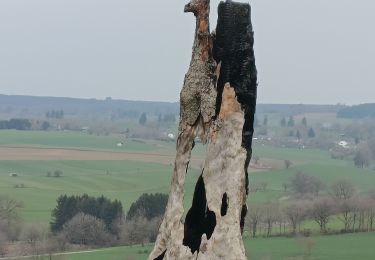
{"x": 343, "y": 247}
{"x": 68, "y": 139}
{"x": 127, "y": 180}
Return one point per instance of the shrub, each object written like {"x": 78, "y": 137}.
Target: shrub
{"x": 85, "y": 229}
{"x": 304, "y": 183}
{"x": 57, "y": 173}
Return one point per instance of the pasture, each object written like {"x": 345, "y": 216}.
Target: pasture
{"x": 81, "y": 140}
{"x": 123, "y": 180}
{"x": 91, "y": 164}
{"x": 343, "y": 247}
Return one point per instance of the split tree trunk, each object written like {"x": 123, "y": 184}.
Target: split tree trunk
{"x": 217, "y": 104}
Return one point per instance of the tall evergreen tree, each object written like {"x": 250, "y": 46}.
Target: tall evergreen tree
{"x": 298, "y": 135}
{"x": 291, "y": 121}
{"x": 143, "y": 119}
{"x": 69, "y": 206}
{"x": 148, "y": 206}
{"x": 283, "y": 122}
{"x": 311, "y": 133}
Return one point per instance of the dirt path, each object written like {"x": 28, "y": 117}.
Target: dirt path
{"x": 55, "y": 254}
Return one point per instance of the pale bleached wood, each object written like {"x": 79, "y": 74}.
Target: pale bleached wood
{"x": 221, "y": 112}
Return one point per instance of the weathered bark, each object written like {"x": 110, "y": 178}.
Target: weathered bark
{"x": 221, "y": 111}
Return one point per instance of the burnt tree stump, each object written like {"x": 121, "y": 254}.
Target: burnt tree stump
{"x": 217, "y": 102}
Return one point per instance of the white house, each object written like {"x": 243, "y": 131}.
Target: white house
{"x": 343, "y": 144}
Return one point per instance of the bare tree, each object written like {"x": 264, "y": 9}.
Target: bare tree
{"x": 254, "y": 217}
{"x": 61, "y": 241}
{"x": 3, "y": 243}
{"x": 320, "y": 211}
{"x": 370, "y": 213}
{"x": 270, "y": 215}
{"x": 135, "y": 231}
{"x": 363, "y": 156}
{"x": 49, "y": 246}
{"x": 317, "y": 186}
{"x": 34, "y": 234}
{"x": 281, "y": 221}
{"x": 343, "y": 189}
{"x": 303, "y": 184}
{"x": 345, "y": 209}
{"x": 300, "y": 183}
{"x": 85, "y": 229}
{"x": 362, "y": 211}
{"x": 287, "y": 164}
{"x": 9, "y": 208}
{"x": 295, "y": 213}
{"x": 10, "y": 229}
{"x": 9, "y": 221}
{"x": 139, "y": 230}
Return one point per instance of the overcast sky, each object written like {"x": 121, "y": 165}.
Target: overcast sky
{"x": 307, "y": 51}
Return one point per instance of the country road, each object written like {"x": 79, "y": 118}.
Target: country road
{"x": 55, "y": 254}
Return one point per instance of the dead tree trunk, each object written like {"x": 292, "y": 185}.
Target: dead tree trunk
{"x": 218, "y": 104}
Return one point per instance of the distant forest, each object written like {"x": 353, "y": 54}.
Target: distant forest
{"x": 360, "y": 111}
{"x": 36, "y": 107}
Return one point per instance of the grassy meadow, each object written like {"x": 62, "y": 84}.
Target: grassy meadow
{"x": 79, "y": 140}
{"x": 343, "y": 247}
{"x": 126, "y": 180}
{"x": 123, "y": 180}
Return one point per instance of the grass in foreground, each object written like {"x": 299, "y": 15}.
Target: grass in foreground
{"x": 343, "y": 247}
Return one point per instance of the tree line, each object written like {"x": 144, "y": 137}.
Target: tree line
{"x": 86, "y": 220}
{"x": 69, "y": 206}
{"x": 356, "y": 212}
{"x": 57, "y": 114}
{"x": 358, "y": 111}
{"x": 15, "y": 123}
{"x": 82, "y": 220}
{"x": 287, "y": 122}
{"x": 98, "y": 221}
